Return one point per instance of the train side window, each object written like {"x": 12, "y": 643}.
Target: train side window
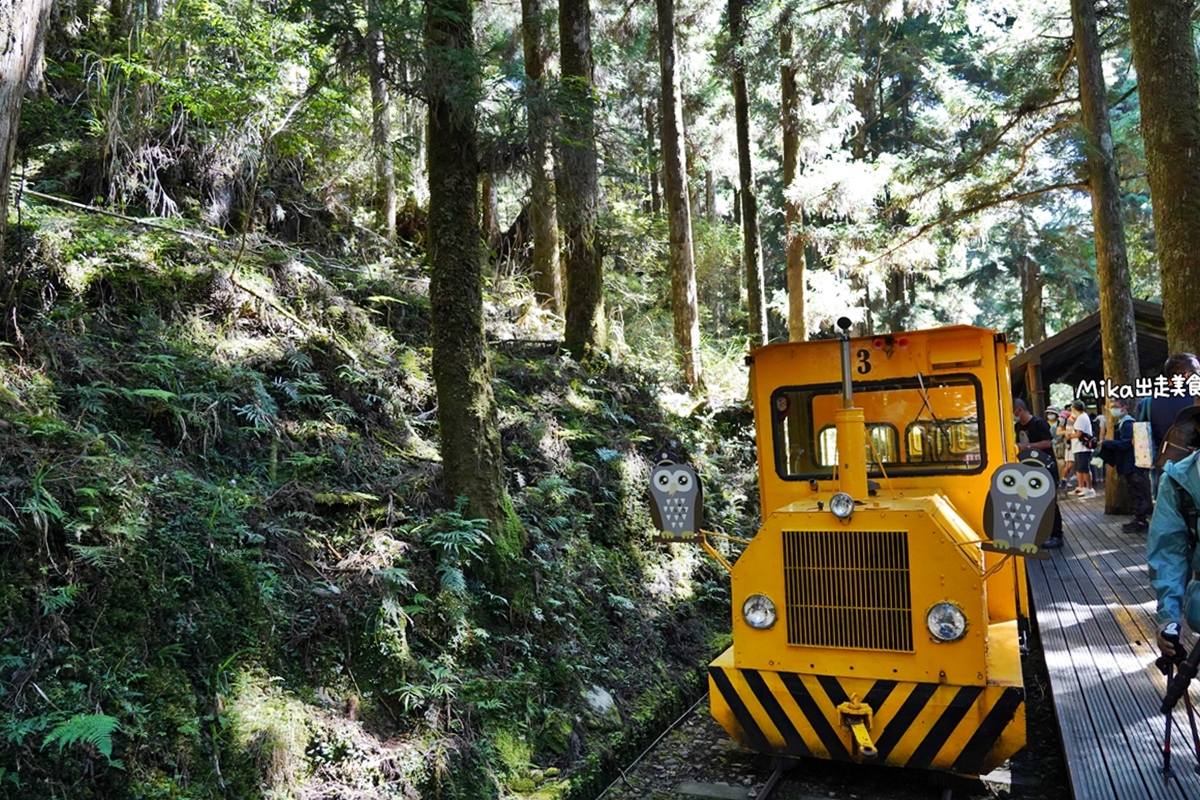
{"x": 827, "y": 446}
{"x": 949, "y": 441}
{"x": 921, "y": 446}
{"x": 963, "y": 437}
{"x": 884, "y": 437}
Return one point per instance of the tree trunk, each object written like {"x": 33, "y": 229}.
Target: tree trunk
{"x": 1033, "y": 317}
{"x": 381, "y": 131}
{"x": 710, "y": 198}
{"x": 1118, "y": 336}
{"x": 693, "y": 182}
{"x": 793, "y": 215}
{"x": 863, "y": 95}
{"x": 652, "y": 160}
{"x": 897, "y": 301}
{"x": 864, "y": 101}
{"x": 491, "y": 213}
{"x": 547, "y": 270}
{"x": 470, "y": 441}
{"x": 1164, "y": 54}
{"x": 860, "y": 285}
{"x": 751, "y": 245}
{"x": 22, "y": 32}
{"x": 679, "y": 218}
{"x": 120, "y": 21}
{"x": 577, "y": 183}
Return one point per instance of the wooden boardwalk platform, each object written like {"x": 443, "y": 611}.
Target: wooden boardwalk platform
{"x": 1094, "y": 610}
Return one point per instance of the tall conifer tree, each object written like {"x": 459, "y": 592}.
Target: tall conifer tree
{"x": 547, "y": 271}
{"x": 1165, "y": 57}
{"x": 381, "y": 123}
{"x": 793, "y": 216}
{"x": 1118, "y": 336}
{"x": 22, "y": 31}
{"x": 578, "y": 190}
{"x": 679, "y": 218}
{"x": 467, "y": 420}
{"x": 751, "y": 241}
{"x": 1118, "y": 339}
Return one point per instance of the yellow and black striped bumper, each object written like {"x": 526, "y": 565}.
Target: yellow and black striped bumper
{"x": 969, "y": 730}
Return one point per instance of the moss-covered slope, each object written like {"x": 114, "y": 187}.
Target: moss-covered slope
{"x": 228, "y": 568}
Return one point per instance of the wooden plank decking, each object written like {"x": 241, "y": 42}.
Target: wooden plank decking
{"x": 1094, "y": 610}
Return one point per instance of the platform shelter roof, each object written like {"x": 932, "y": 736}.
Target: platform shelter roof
{"x": 1073, "y": 355}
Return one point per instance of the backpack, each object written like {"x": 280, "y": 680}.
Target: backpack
{"x": 1187, "y": 509}
{"x": 1180, "y": 440}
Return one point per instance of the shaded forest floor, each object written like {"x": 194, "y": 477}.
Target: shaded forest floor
{"x": 228, "y": 565}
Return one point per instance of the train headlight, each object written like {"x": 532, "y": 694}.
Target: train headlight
{"x": 758, "y": 611}
{"x": 842, "y": 505}
{"x": 946, "y": 622}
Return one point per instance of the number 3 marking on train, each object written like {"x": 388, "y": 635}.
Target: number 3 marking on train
{"x": 864, "y": 362}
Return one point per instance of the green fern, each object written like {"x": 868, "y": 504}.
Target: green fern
{"x": 60, "y": 598}
{"x": 100, "y": 556}
{"x": 162, "y": 395}
{"x": 95, "y": 729}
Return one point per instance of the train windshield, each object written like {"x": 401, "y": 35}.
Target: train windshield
{"x": 929, "y": 425}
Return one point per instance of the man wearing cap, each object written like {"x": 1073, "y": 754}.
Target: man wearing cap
{"x": 1034, "y": 434}
{"x": 1170, "y": 548}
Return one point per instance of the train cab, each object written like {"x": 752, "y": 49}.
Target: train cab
{"x": 869, "y": 624}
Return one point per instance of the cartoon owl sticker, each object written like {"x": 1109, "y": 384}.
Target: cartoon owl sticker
{"x": 1018, "y": 514}
{"x": 676, "y": 499}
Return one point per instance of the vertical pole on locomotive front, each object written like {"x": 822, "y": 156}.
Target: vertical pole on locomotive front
{"x": 851, "y": 428}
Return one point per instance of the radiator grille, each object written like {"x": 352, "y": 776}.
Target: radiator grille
{"x": 848, "y": 589}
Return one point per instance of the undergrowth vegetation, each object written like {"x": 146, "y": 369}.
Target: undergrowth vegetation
{"x": 228, "y": 565}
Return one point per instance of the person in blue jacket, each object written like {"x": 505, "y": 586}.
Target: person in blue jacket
{"x": 1170, "y": 553}
{"x": 1119, "y": 453}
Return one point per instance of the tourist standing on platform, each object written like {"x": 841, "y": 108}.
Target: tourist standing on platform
{"x": 1171, "y": 551}
{"x": 1035, "y": 434}
{"x": 1100, "y": 425}
{"x": 1079, "y": 433}
{"x": 1064, "y": 452}
{"x": 1160, "y": 411}
{"x": 1119, "y": 453}
{"x": 1059, "y": 447}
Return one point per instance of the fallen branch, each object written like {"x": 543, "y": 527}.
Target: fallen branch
{"x": 107, "y": 213}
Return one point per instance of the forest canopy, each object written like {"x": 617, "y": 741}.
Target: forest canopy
{"x": 938, "y": 143}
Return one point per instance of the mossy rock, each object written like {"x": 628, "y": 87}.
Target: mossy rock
{"x": 523, "y": 785}
{"x": 602, "y": 710}
{"x": 556, "y": 735}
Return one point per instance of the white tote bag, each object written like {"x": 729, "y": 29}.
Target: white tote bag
{"x": 1143, "y": 449}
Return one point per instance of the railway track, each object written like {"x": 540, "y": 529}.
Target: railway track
{"x": 695, "y": 758}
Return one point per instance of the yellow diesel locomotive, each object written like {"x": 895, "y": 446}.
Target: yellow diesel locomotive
{"x": 869, "y": 623}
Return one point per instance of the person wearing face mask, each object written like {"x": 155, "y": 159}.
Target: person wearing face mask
{"x": 1034, "y": 434}
{"x": 1171, "y": 551}
{"x": 1119, "y": 453}
{"x": 1066, "y": 459}
{"x": 1079, "y": 432}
